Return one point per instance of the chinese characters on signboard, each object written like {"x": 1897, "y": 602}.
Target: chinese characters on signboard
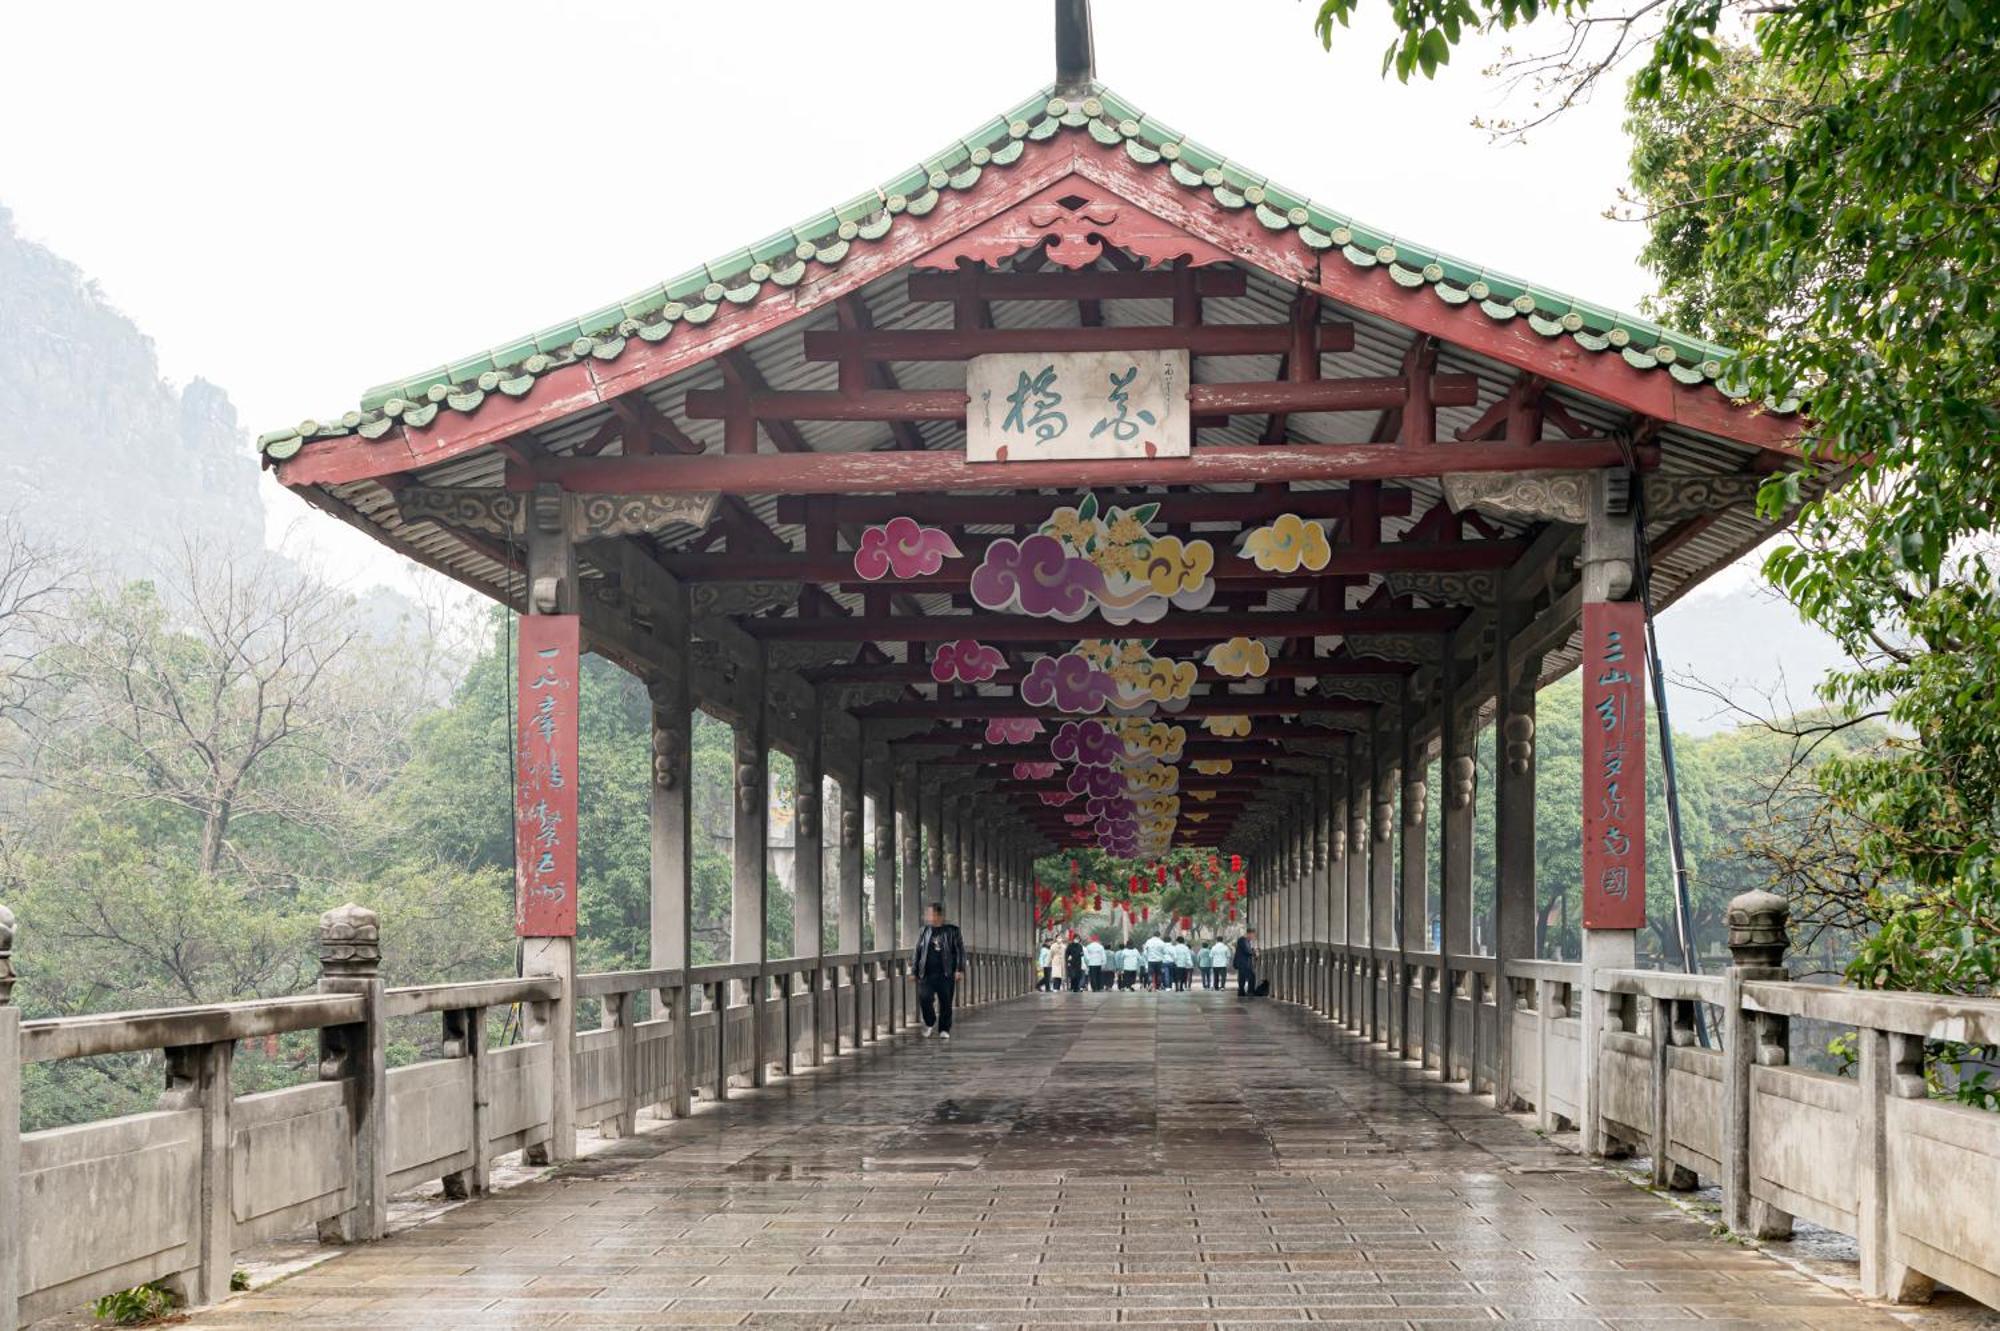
{"x": 1614, "y": 765}
{"x": 1084, "y": 404}
{"x": 545, "y": 763}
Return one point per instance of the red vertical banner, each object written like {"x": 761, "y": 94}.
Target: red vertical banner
{"x": 545, "y": 775}
{"x": 1614, "y": 765}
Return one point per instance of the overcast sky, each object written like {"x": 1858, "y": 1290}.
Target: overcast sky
{"x": 299, "y": 202}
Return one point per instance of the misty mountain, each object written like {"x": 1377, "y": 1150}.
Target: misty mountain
{"x": 98, "y": 453}
{"x": 1746, "y": 644}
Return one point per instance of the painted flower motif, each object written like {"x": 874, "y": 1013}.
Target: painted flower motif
{"x": 1288, "y": 544}
{"x": 1239, "y": 658}
{"x": 904, "y": 547}
{"x": 1126, "y": 528}
{"x": 1036, "y": 576}
{"x": 966, "y": 661}
{"x": 1069, "y": 683}
{"x": 1226, "y": 726}
{"x": 1214, "y": 766}
{"x": 1012, "y": 729}
{"x": 1071, "y": 528}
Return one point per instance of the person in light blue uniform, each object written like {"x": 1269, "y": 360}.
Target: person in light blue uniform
{"x": 1093, "y": 957}
{"x": 1156, "y": 963}
{"x": 1128, "y": 966}
{"x": 1217, "y": 966}
{"x": 1183, "y": 964}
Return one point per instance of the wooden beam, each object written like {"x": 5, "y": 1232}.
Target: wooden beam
{"x": 919, "y": 344}
{"x": 919, "y": 672}
{"x": 1230, "y": 570}
{"x": 1207, "y": 704}
{"x": 1022, "y": 510}
{"x": 948, "y": 404}
{"x": 1152, "y": 284}
{"x": 938, "y": 469}
{"x": 1179, "y": 627}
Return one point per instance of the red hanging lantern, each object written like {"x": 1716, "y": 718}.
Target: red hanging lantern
{"x": 1145, "y": 912}
{"x": 1135, "y": 884}
{"x": 1075, "y": 868}
{"x": 1236, "y": 864}
{"x": 1160, "y": 873}
{"x": 1097, "y": 903}
{"x": 1242, "y": 883}
{"x": 1232, "y": 912}
{"x": 1214, "y": 865}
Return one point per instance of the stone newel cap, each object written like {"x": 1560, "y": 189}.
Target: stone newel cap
{"x": 1758, "y": 928}
{"x": 350, "y": 940}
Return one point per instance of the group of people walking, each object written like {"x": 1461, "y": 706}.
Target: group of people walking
{"x": 1159, "y": 964}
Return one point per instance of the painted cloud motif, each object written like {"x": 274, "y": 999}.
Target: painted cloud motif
{"x": 1036, "y": 576}
{"x": 1012, "y": 729}
{"x": 1085, "y": 743}
{"x": 1069, "y": 683}
{"x": 966, "y": 661}
{"x": 903, "y": 547}
{"x": 1239, "y": 658}
{"x": 1287, "y": 545}
{"x": 1226, "y": 726}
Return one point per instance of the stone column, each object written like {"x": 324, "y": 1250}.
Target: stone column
{"x": 849, "y": 939}
{"x": 1360, "y": 797}
{"x": 1460, "y": 772}
{"x": 882, "y": 916}
{"x": 750, "y": 856}
{"x": 809, "y": 813}
{"x": 350, "y": 962}
{"x": 1415, "y": 935}
{"x": 1513, "y": 835}
{"x": 554, "y": 588}
{"x": 910, "y": 836}
{"x": 671, "y": 867}
{"x": 1387, "y": 747}
{"x": 1336, "y": 888}
{"x": 1607, "y": 576}
{"x": 11, "y": 1201}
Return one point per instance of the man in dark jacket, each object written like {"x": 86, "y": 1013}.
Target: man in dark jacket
{"x": 938, "y": 964}
{"x": 1245, "y": 962}
{"x": 1073, "y": 964}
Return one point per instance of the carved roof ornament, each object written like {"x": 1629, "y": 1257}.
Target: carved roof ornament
{"x": 1416, "y": 647}
{"x": 1073, "y": 222}
{"x": 1332, "y": 721}
{"x": 590, "y": 517}
{"x": 1672, "y": 497}
{"x": 1564, "y": 496}
{"x": 1476, "y": 587}
{"x": 740, "y": 598}
{"x": 847, "y": 697}
{"x": 1539, "y": 496}
{"x": 806, "y": 655}
{"x": 1360, "y": 688}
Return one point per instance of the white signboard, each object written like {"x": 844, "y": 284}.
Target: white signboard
{"x": 1077, "y": 404}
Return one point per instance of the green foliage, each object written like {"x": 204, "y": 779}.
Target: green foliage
{"x": 136, "y": 1306}
{"x": 1828, "y": 196}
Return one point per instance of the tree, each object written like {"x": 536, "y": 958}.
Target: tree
{"x": 1821, "y": 183}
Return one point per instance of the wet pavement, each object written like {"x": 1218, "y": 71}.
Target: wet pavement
{"x": 1068, "y": 1160}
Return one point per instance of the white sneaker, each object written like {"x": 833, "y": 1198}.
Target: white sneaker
{"x": 944, "y": 1035}
{"x": 929, "y": 1031}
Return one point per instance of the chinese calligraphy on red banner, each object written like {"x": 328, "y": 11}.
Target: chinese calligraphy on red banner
{"x": 545, "y": 770}
{"x": 1614, "y": 765}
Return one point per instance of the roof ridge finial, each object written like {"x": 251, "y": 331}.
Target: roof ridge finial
{"x": 1076, "y": 57}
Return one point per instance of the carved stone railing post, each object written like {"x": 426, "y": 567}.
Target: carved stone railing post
{"x": 1892, "y": 1068}
{"x": 465, "y": 1037}
{"x": 1758, "y": 937}
{"x": 10, "y": 1131}
{"x": 350, "y": 962}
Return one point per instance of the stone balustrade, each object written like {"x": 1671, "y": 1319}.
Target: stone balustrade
{"x": 173, "y": 1194}
{"x": 1873, "y": 1155}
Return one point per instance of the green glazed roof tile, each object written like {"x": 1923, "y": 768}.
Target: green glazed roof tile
{"x": 782, "y": 259}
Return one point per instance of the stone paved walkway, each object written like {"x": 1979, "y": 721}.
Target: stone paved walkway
{"x": 1070, "y": 1160}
